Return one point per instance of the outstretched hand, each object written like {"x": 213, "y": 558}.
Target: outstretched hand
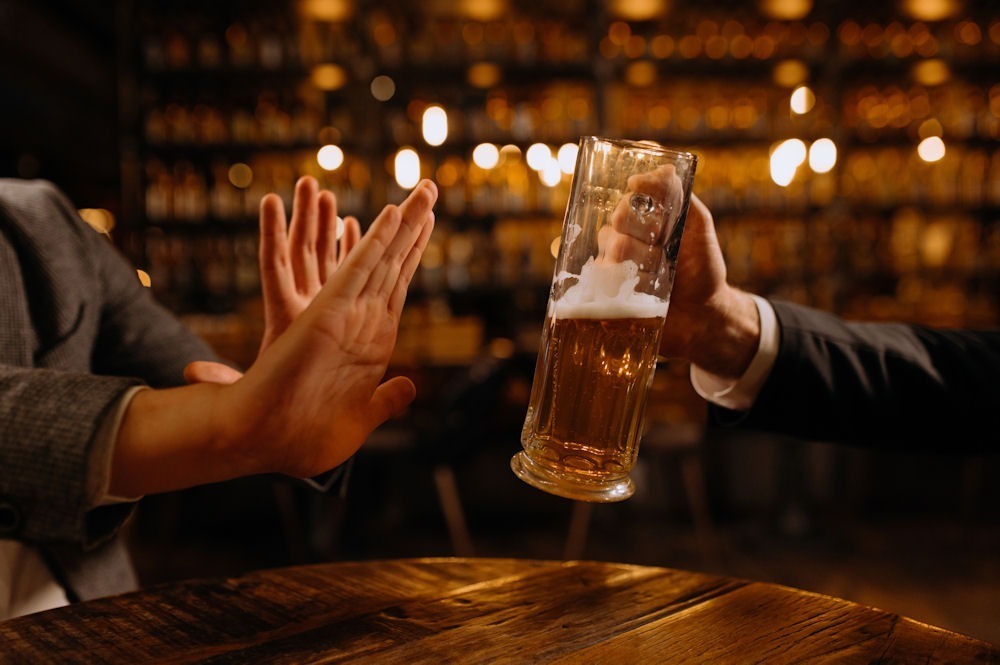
{"x": 314, "y": 394}
{"x": 296, "y": 260}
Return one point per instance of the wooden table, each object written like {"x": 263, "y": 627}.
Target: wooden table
{"x": 479, "y": 611}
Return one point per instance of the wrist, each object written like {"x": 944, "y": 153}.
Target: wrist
{"x": 172, "y": 439}
{"x": 730, "y": 334}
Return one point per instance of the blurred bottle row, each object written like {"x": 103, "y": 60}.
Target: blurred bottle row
{"x": 193, "y": 118}
{"x": 685, "y": 109}
{"x": 963, "y": 110}
{"x": 275, "y": 39}
{"x": 731, "y": 179}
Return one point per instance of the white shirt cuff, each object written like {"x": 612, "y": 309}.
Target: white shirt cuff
{"x": 99, "y": 473}
{"x": 739, "y": 394}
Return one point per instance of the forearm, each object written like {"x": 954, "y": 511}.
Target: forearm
{"x": 173, "y": 439}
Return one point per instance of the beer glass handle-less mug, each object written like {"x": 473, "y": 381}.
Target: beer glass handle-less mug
{"x": 607, "y": 304}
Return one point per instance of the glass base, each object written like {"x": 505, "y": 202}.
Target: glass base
{"x": 565, "y": 486}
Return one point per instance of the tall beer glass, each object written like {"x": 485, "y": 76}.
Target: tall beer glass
{"x": 606, "y": 308}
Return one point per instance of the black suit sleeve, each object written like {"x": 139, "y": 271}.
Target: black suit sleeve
{"x": 879, "y": 384}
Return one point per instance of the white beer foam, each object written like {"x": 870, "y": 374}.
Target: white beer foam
{"x": 606, "y": 291}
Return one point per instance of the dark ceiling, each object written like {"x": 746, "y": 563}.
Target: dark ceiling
{"x": 58, "y": 104}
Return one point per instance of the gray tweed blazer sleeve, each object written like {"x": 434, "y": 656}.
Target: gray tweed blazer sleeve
{"x": 76, "y": 331}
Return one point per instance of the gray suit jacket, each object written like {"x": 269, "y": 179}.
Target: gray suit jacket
{"x": 76, "y": 331}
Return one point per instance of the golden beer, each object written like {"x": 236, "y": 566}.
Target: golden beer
{"x": 588, "y": 396}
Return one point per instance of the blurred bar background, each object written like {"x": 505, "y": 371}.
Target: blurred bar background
{"x": 850, "y": 152}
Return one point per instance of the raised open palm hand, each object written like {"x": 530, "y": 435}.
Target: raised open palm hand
{"x": 316, "y": 393}
{"x": 296, "y": 260}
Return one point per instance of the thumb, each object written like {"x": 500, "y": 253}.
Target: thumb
{"x": 203, "y": 371}
{"x": 391, "y": 399}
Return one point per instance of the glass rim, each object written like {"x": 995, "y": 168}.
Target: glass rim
{"x": 647, "y": 145}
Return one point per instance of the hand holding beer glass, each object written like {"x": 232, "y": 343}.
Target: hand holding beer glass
{"x": 606, "y": 309}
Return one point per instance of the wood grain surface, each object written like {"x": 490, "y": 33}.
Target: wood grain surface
{"x": 479, "y": 611}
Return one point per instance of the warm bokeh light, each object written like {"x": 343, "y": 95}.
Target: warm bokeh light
{"x": 931, "y": 149}
{"x": 930, "y": 127}
{"x": 328, "y": 134}
{"x": 567, "y": 157}
{"x": 822, "y": 155}
{"x": 484, "y": 75}
{"x": 802, "y": 100}
{"x": 482, "y": 10}
{"x": 786, "y": 159}
{"x": 786, "y": 10}
{"x": 330, "y": 157}
{"x": 931, "y": 72}
{"x": 510, "y": 152}
{"x": 550, "y": 174}
{"x": 790, "y": 73}
{"x": 485, "y": 155}
{"x": 100, "y": 219}
{"x": 240, "y": 175}
{"x": 435, "y": 125}
{"x": 538, "y": 156}
{"x": 328, "y": 77}
{"x": 931, "y": 10}
{"x": 501, "y": 347}
{"x": 449, "y": 172}
{"x": 383, "y": 88}
{"x": 407, "y": 168}
{"x": 433, "y": 257}
{"x": 638, "y": 10}
{"x": 328, "y": 10}
{"x": 641, "y": 74}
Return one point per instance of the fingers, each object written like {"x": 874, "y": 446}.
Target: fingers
{"x": 699, "y": 233}
{"x": 636, "y": 234}
{"x": 664, "y": 188}
{"x": 327, "y": 257}
{"x": 369, "y": 254}
{"x": 699, "y": 216}
{"x": 409, "y": 268}
{"x": 619, "y": 247}
{"x": 304, "y": 234}
{"x": 349, "y": 238}
{"x": 274, "y": 256}
{"x": 376, "y": 261}
{"x": 417, "y": 212}
{"x": 344, "y": 234}
{"x": 319, "y": 240}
